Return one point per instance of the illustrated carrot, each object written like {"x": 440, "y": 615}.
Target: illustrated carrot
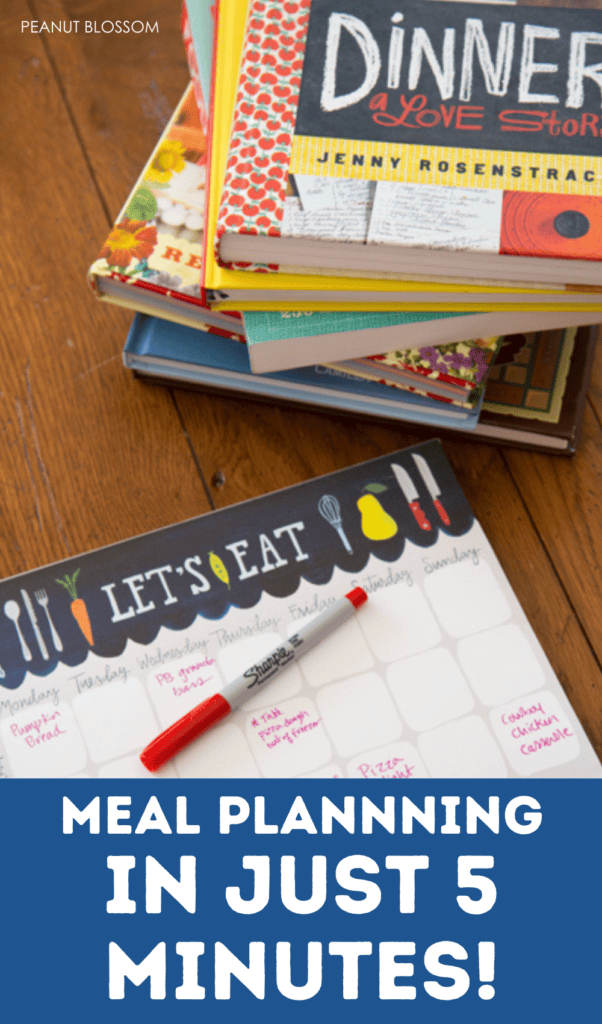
{"x": 78, "y": 606}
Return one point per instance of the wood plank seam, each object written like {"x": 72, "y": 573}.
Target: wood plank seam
{"x": 193, "y": 452}
{"x": 65, "y": 101}
{"x": 97, "y": 188}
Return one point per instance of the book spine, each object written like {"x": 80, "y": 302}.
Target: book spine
{"x": 264, "y": 120}
{"x": 191, "y": 300}
{"x": 425, "y": 372}
{"x": 194, "y": 70}
{"x": 590, "y": 341}
{"x": 207, "y": 241}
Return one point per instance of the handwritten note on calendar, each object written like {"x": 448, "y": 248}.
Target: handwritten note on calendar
{"x": 439, "y": 675}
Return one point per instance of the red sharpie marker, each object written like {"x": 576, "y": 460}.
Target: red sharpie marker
{"x": 212, "y": 710}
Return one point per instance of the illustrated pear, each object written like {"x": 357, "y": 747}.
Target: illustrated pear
{"x": 376, "y": 523}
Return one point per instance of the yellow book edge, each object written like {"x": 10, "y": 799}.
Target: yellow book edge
{"x": 248, "y": 305}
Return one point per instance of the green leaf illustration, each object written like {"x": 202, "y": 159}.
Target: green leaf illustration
{"x": 375, "y": 488}
{"x": 143, "y": 205}
{"x": 68, "y": 582}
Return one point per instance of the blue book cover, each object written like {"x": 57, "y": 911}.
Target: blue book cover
{"x": 159, "y": 348}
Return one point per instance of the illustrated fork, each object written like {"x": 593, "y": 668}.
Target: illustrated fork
{"x": 42, "y": 598}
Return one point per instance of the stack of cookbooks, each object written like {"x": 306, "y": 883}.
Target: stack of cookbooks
{"x": 534, "y": 396}
{"x": 289, "y": 200}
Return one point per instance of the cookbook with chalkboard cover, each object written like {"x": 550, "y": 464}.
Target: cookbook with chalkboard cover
{"x": 435, "y": 137}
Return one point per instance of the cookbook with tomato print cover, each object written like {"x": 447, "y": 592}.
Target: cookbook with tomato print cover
{"x": 432, "y": 137}
{"x": 438, "y": 675}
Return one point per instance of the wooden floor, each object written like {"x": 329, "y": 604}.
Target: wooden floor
{"x": 91, "y": 456}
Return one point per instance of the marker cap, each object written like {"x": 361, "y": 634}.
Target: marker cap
{"x": 357, "y": 596}
{"x": 187, "y": 728}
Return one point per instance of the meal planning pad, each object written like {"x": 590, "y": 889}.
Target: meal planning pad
{"x": 439, "y": 675}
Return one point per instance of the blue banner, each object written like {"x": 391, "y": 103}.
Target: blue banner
{"x": 228, "y": 899}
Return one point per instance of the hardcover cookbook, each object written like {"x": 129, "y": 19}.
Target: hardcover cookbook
{"x": 439, "y": 137}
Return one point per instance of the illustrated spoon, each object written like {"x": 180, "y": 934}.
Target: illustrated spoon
{"x": 12, "y": 611}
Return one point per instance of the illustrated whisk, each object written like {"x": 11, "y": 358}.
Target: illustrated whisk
{"x": 330, "y": 510}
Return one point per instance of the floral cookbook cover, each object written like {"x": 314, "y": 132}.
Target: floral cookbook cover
{"x": 156, "y": 243}
{"x": 459, "y": 369}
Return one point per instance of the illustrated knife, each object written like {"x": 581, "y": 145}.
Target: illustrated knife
{"x": 432, "y": 486}
{"x": 34, "y": 623}
{"x": 411, "y": 495}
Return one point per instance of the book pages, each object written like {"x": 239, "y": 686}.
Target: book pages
{"x": 329, "y": 208}
{"x": 435, "y": 217}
